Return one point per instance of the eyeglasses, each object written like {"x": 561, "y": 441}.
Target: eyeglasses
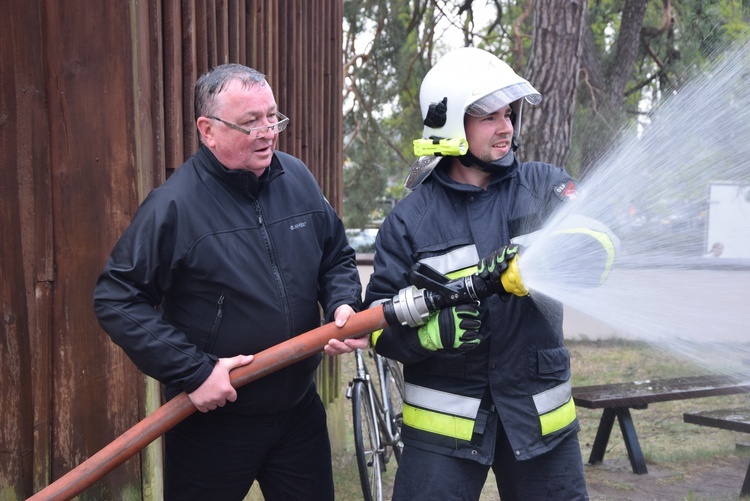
{"x": 256, "y": 132}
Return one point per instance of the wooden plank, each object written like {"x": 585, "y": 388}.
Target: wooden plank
{"x": 149, "y": 112}
{"x": 253, "y": 22}
{"x": 209, "y": 30}
{"x": 235, "y": 15}
{"x": 222, "y": 38}
{"x": 94, "y": 193}
{"x": 16, "y": 192}
{"x": 26, "y": 253}
{"x": 242, "y": 31}
{"x": 725, "y": 419}
{"x": 173, "y": 86}
{"x": 148, "y": 96}
{"x": 273, "y": 44}
{"x": 314, "y": 81}
{"x": 204, "y": 48}
{"x": 327, "y": 127}
{"x": 222, "y": 23}
{"x": 190, "y": 72}
{"x": 644, "y": 392}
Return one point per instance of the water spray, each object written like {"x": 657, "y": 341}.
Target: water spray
{"x": 655, "y": 190}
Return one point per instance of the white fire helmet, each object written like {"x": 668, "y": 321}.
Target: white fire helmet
{"x": 473, "y": 81}
{"x": 466, "y": 80}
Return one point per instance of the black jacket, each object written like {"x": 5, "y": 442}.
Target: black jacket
{"x": 520, "y": 372}
{"x": 218, "y": 263}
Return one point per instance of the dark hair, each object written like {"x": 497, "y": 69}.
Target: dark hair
{"x": 211, "y": 83}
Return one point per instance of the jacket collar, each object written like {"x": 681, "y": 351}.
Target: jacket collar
{"x": 245, "y": 182}
{"x": 441, "y": 176}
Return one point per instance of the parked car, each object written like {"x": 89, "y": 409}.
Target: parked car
{"x": 362, "y": 240}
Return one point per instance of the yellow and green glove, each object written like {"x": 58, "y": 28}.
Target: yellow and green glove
{"x": 455, "y": 329}
{"x": 492, "y": 267}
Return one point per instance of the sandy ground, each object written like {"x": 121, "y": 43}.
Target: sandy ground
{"x": 614, "y": 480}
{"x": 717, "y": 480}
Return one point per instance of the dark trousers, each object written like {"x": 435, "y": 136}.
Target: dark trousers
{"x": 217, "y": 455}
{"x": 554, "y": 476}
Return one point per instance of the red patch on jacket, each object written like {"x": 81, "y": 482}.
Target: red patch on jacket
{"x": 566, "y": 191}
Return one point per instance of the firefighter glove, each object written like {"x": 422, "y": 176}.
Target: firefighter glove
{"x": 492, "y": 267}
{"x": 454, "y": 329}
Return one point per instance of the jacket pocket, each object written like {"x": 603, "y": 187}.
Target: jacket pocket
{"x": 552, "y": 364}
{"x": 208, "y": 346}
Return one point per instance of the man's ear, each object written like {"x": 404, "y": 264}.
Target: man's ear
{"x": 206, "y": 130}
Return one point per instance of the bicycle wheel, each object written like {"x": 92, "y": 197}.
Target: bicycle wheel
{"x": 395, "y": 393}
{"x": 366, "y": 444}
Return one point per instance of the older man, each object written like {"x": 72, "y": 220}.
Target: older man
{"x": 236, "y": 252}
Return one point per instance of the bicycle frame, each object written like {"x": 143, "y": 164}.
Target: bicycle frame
{"x": 380, "y": 402}
{"x": 375, "y": 394}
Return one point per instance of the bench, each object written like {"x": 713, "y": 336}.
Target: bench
{"x": 617, "y": 399}
{"x": 726, "y": 419}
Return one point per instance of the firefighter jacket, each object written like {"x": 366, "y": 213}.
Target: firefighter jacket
{"x": 520, "y": 373}
{"x": 217, "y": 263}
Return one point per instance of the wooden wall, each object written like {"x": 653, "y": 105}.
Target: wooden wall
{"x": 96, "y": 110}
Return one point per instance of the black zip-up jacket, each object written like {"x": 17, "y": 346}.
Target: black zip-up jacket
{"x": 218, "y": 263}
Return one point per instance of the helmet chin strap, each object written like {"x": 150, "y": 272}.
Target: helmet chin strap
{"x": 496, "y": 166}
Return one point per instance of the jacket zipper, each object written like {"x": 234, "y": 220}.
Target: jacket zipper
{"x": 274, "y": 269}
{"x": 213, "y": 334}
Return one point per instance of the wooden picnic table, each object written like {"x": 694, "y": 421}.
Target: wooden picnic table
{"x": 725, "y": 419}
{"x": 617, "y": 399}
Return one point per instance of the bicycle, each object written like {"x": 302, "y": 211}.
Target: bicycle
{"x": 377, "y": 413}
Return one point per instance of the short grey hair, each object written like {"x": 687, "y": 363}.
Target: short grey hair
{"x": 214, "y": 81}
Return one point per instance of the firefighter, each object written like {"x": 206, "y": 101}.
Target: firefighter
{"x": 488, "y": 384}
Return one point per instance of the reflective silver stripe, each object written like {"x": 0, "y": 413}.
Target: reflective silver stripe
{"x": 457, "y": 259}
{"x": 440, "y": 401}
{"x": 552, "y": 398}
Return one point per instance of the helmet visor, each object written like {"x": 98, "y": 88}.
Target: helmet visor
{"x": 496, "y": 100}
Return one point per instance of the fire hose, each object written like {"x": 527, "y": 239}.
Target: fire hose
{"x": 410, "y": 307}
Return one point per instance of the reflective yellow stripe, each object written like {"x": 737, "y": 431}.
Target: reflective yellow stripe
{"x": 555, "y": 407}
{"x": 438, "y": 423}
{"x": 606, "y": 242}
{"x": 559, "y": 418}
{"x": 374, "y": 336}
{"x": 463, "y": 273}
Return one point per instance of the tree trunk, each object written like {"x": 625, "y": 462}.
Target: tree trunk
{"x": 605, "y": 84}
{"x": 553, "y": 70}
{"x": 626, "y": 50}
